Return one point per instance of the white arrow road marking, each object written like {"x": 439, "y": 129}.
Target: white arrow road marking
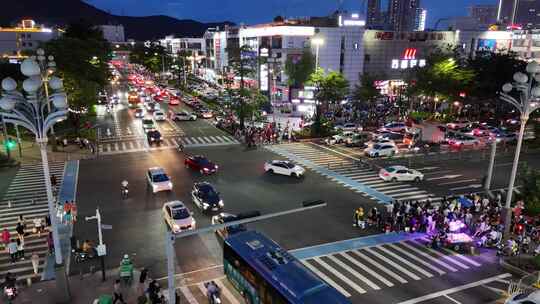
{"x": 444, "y": 176}
{"x": 466, "y": 187}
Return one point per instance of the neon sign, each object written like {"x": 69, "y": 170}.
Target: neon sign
{"x": 408, "y": 60}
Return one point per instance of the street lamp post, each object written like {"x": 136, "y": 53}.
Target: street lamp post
{"x": 318, "y": 42}
{"x": 529, "y": 101}
{"x": 37, "y": 111}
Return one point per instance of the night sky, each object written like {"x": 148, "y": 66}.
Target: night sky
{"x": 254, "y": 11}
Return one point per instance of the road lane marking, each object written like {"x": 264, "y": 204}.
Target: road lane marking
{"x": 442, "y": 255}
{"x": 427, "y": 256}
{"x": 455, "y": 289}
{"x": 340, "y": 275}
{"x": 411, "y": 256}
{"x": 462, "y": 257}
{"x": 353, "y": 272}
{"x": 458, "y": 182}
{"x": 366, "y": 269}
{"x": 452, "y": 299}
{"x": 467, "y": 187}
{"x": 404, "y": 261}
{"x": 381, "y": 267}
{"x": 326, "y": 279}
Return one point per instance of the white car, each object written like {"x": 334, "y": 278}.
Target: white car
{"x": 458, "y": 124}
{"x": 381, "y": 150}
{"x": 376, "y": 141}
{"x": 159, "y": 115}
{"x": 182, "y": 115}
{"x": 348, "y": 127}
{"x": 394, "y": 127}
{"x": 339, "y": 138}
{"x": 178, "y": 216}
{"x": 463, "y": 141}
{"x": 284, "y": 167}
{"x": 524, "y": 298}
{"x": 158, "y": 180}
{"x": 400, "y": 173}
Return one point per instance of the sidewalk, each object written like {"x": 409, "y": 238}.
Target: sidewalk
{"x": 83, "y": 290}
{"x": 30, "y": 153}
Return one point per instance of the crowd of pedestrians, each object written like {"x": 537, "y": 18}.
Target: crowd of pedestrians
{"x": 272, "y": 133}
{"x": 480, "y": 214}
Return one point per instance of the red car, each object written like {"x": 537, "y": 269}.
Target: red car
{"x": 158, "y": 98}
{"x": 201, "y": 164}
{"x": 173, "y": 101}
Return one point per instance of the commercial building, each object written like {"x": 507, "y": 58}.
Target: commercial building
{"x": 335, "y": 41}
{"x": 401, "y": 14}
{"x": 26, "y": 36}
{"x": 420, "y": 20}
{"x": 175, "y": 45}
{"x": 113, "y": 33}
{"x": 523, "y": 14}
{"x": 373, "y": 14}
{"x": 485, "y": 14}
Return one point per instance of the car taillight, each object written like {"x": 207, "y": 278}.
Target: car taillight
{"x": 386, "y": 174}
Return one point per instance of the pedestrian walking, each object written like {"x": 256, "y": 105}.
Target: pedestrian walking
{"x": 73, "y": 211}
{"x": 12, "y": 250}
{"x": 117, "y": 294}
{"x": 54, "y": 181}
{"x": 6, "y": 236}
{"x": 35, "y": 263}
{"x": 67, "y": 208}
{"x": 38, "y": 226}
{"x": 50, "y": 242}
{"x": 20, "y": 249}
{"x": 20, "y": 231}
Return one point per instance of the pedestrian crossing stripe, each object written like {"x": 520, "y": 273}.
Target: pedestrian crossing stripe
{"x": 344, "y": 172}
{"x": 26, "y": 195}
{"x": 381, "y": 266}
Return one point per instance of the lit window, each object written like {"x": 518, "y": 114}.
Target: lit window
{"x": 404, "y": 64}
{"x": 395, "y": 64}
{"x": 422, "y": 63}
{"x": 356, "y": 46}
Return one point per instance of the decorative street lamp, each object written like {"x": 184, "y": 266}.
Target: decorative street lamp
{"x": 37, "y": 111}
{"x": 528, "y": 88}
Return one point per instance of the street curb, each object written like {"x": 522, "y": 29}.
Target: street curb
{"x": 512, "y": 268}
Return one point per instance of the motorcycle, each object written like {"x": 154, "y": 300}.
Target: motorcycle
{"x": 125, "y": 192}
{"x": 81, "y": 256}
{"x": 213, "y": 295}
{"x": 503, "y": 250}
{"x": 10, "y": 292}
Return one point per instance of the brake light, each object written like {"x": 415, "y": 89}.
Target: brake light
{"x": 386, "y": 174}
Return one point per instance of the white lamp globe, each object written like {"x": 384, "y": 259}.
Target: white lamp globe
{"x": 51, "y": 57}
{"x": 60, "y": 101}
{"x": 7, "y": 104}
{"x": 533, "y": 67}
{"x": 32, "y": 84}
{"x": 507, "y": 87}
{"x": 56, "y": 83}
{"x": 536, "y": 92}
{"x": 9, "y": 84}
{"x": 40, "y": 52}
{"x": 30, "y": 68}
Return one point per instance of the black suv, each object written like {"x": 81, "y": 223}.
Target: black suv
{"x": 154, "y": 137}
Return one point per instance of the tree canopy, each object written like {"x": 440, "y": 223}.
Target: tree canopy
{"x": 298, "y": 70}
{"x": 366, "y": 92}
{"x": 150, "y": 57}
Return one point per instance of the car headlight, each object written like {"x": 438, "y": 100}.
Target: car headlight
{"x": 154, "y": 187}
{"x": 216, "y": 167}
{"x": 170, "y": 185}
{"x": 221, "y": 204}
{"x": 205, "y": 206}
{"x": 205, "y": 169}
{"x": 176, "y": 227}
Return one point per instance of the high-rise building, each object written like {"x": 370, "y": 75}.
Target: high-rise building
{"x": 401, "y": 14}
{"x": 420, "y": 20}
{"x": 373, "y": 13}
{"x": 522, "y": 13}
{"x": 485, "y": 14}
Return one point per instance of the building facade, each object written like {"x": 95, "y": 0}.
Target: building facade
{"x": 192, "y": 45}
{"x": 113, "y": 33}
{"x": 26, "y": 36}
{"x": 485, "y": 14}
{"x": 523, "y": 14}
{"x": 420, "y": 19}
{"x": 373, "y": 14}
{"x": 401, "y": 14}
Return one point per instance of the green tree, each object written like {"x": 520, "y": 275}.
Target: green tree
{"x": 492, "y": 70}
{"x": 81, "y": 56}
{"x": 530, "y": 191}
{"x": 330, "y": 88}
{"x": 242, "y": 62}
{"x": 366, "y": 92}
{"x": 299, "y": 70}
{"x": 152, "y": 58}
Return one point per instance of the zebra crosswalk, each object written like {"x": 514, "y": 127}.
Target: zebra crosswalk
{"x": 27, "y": 196}
{"x": 388, "y": 265}
{"x": 137, "y": 145}
{"x": 346, "y": 172}
{"x": 196, "y": 293}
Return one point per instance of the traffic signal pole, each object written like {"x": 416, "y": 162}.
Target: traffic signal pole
{"x": 171, "y": 237}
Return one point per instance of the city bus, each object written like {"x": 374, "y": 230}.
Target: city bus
{"x": 265, "y": 273}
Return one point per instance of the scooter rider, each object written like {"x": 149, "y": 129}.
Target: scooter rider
{"x": 124, "y": 185}
{"x": 211, "y": 290}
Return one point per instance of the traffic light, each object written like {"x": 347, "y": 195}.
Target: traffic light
{"x": 10, "y": 144}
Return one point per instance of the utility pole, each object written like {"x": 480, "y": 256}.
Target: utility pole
{"x": 101, "y": 248}
{"x": 487, "y": 186}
